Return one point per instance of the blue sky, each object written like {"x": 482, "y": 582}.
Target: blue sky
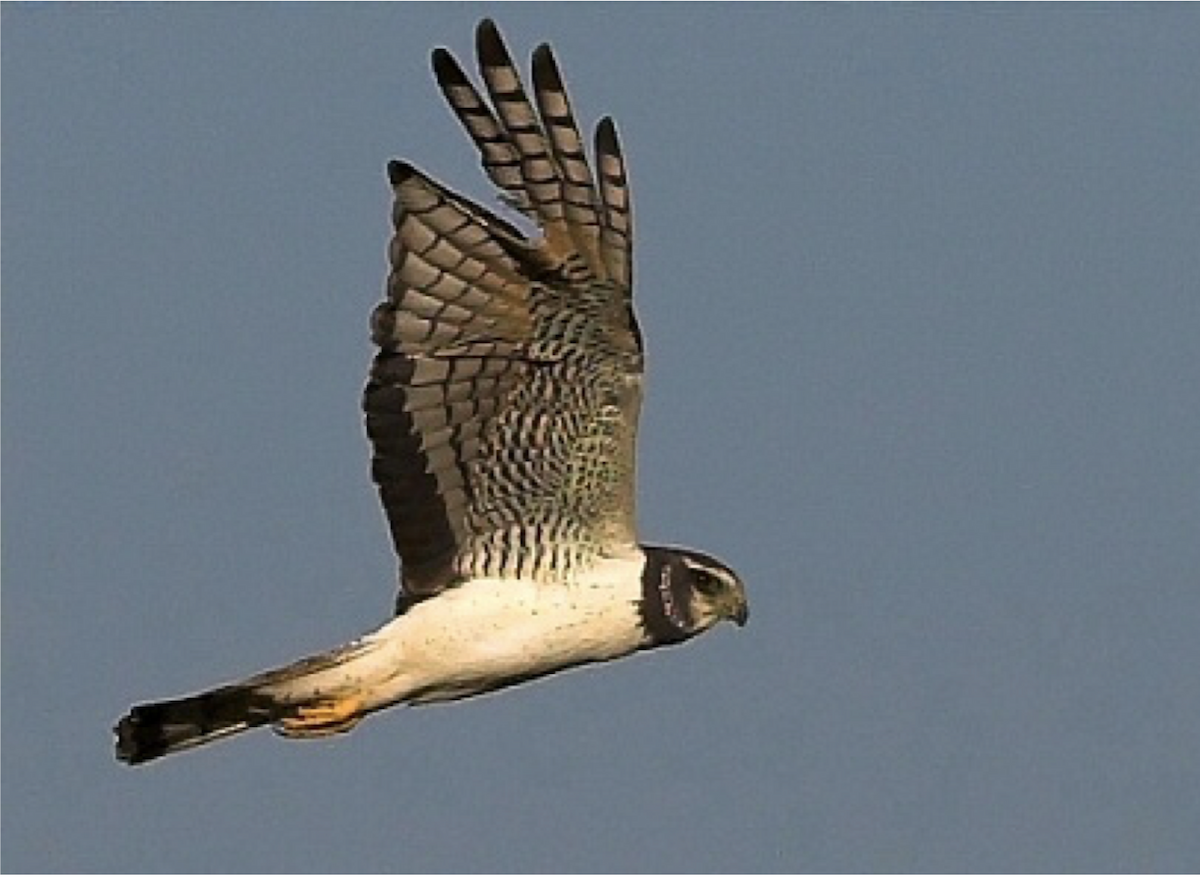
{"x": 921, "y": 291}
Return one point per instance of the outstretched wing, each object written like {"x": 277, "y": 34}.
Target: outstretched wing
{"x": 503, "y": 403}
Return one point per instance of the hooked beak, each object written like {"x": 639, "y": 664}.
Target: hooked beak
{"x": 741, "y": 614}
{"x": 739, "y": 608}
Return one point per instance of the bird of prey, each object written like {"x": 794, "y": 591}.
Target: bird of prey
{"x": 502, "y": 409}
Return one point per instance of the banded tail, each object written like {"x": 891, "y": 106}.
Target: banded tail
{"x": 298, "y": 700}
{"x": 152, "y": 730}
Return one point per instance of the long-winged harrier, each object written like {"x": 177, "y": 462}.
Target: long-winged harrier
{"x": 502, "y": 407}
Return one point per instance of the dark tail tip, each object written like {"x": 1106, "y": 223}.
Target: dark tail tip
{"x": 152, "y": 730}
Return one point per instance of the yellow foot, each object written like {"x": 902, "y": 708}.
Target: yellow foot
{"x": 322, "y": 718}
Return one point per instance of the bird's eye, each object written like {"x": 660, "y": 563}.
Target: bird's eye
{"x": 706, "y": 581}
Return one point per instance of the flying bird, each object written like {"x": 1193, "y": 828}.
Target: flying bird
{"x": 502, "y": 408}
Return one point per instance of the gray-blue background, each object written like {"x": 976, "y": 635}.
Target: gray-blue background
{"x": 922, "y": 292}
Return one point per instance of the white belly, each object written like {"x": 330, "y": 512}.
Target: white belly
{"x": 489, "y": 633}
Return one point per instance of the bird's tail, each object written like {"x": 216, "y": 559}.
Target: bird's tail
{"x": 292, "y": 699}
{"x": 152, "y": 730}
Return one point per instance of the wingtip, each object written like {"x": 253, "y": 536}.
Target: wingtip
{"x": 544, "y": 54}
{"x": 607, "y": 140}
{"x": 545, "y": 69}
{"x": 446, "y": 69}
{"x": 489, "y": 45}
{"x": 486, "y": 29}
{"x": 399, "y": 171}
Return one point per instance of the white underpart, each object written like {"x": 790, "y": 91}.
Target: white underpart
{"x": 487, "y": 633}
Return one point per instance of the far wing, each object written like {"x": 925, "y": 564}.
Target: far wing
{"x": 502, "y": 405}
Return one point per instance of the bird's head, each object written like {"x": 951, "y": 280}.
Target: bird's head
{"x": 685, "y": 592}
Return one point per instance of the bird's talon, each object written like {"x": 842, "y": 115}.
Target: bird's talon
{"x": 322, "y": 718}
